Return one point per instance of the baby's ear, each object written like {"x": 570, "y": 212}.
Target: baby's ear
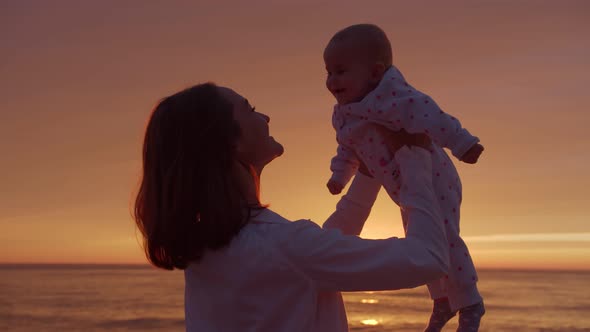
{"x": 378, "y": 71}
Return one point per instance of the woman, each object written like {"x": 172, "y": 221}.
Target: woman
{"x": 246, "y": 267}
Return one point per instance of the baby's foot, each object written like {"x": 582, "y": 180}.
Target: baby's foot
{"x": 441, "y": 313}
{"x": 470, "y": 317}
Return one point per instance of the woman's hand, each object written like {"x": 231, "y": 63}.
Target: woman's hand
{"x": 363, "y": 169}
{"x": 397, "y": 139}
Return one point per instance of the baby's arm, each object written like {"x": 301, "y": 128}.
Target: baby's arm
{"x": 397, "y": 105}
{"x": 422, "y": 115}
{"x": 343, "y": 166}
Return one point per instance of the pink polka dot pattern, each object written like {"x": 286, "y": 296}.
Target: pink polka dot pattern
{"x": 396, "y": 105}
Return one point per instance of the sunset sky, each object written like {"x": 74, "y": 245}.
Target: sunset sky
{"x": 78, "y": 80}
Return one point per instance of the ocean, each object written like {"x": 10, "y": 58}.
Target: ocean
{"x": 140, "y": 298}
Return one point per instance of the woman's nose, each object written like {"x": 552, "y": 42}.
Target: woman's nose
{"x": 265, "y": 117}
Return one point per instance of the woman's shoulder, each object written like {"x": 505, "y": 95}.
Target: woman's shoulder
{"x": 270, "y": 221}
{"x": 269, "y": 237}
{"x": 269, "y": 217}
{"x": 265, "y": 231}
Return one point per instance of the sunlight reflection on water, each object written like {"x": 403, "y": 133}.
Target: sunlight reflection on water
{"x": 369, "y": 322}
{"x": 369, "y": 301}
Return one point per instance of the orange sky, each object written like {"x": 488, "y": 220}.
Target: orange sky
{"x": 78, "y": 82}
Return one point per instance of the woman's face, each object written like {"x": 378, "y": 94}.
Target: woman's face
{"x": 255, "y": 146}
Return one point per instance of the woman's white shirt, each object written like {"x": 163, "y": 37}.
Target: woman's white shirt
{"x": 278, "y": 275}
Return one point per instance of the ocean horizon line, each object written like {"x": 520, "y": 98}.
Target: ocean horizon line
{"x": 86, "y": 265}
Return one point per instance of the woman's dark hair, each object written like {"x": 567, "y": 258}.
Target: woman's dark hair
{"x": 188, "y": 201}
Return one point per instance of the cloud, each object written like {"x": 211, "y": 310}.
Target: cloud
{"x": 531, "y": 237}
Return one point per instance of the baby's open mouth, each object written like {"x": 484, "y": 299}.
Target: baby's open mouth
{"x": 338, "y": 91}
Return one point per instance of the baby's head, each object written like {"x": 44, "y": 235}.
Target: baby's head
{"x": 356, "y": 59}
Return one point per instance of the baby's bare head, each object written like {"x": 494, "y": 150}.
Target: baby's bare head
{"x": 367, "y": 41}
{"x": 356, "y": 59}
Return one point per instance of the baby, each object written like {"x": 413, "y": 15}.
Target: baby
{"x": 371, "y": 91}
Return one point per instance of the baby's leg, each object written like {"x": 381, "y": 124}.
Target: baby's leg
{"x": 441, "y": 309}
{"x": 460, "y": 284}
{"x": 457, "y": 290}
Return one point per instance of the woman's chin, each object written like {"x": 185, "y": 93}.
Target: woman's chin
{"x": 277, "y": 147}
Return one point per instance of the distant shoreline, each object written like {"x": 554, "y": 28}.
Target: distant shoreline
{"x": 76, "y": 265}
{"x": 106, "y": 266}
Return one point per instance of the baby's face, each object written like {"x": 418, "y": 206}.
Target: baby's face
{"x": 349, "y": 74}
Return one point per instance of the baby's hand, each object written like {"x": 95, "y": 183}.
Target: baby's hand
{"x": 334, "y": 187}
{"x": 472, "y": 154}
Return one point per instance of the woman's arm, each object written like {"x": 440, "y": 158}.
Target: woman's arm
{"x": 353, "y": 208}
{"x": 334, "y": 261}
